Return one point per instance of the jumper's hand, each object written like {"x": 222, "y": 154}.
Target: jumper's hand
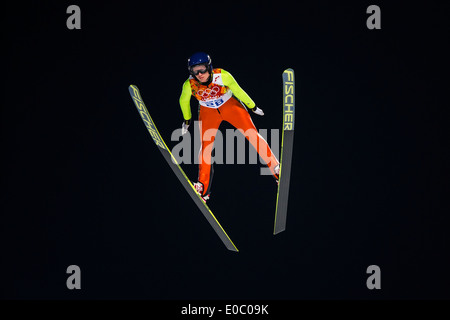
{"x": 258, "y": 111}
{"x": 184, "y": 128}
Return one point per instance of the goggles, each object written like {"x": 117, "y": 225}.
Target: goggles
{"x": 197, "y": 72}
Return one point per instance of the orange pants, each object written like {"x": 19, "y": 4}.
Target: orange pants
{"x": 234, "y": 113}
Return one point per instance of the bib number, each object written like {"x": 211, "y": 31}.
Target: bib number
{"x": 215, "y": 103}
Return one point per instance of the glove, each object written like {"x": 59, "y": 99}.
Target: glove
{"x": 258, "y": 111}
{"x": 184, "y": 127}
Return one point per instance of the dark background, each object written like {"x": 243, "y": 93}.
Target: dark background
{"x": 83, "y": 183}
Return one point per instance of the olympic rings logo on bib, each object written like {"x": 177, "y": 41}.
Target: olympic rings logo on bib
{"x": 212, "y": 96}
{"x": 209, "y": 92}
{"x": 217, "y": 101}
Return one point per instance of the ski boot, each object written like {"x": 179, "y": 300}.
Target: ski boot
{"x": 277, "y": 173}
{"x": 199, "y": 188}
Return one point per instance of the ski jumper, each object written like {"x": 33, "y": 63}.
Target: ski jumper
{"x": 218, "y": 103}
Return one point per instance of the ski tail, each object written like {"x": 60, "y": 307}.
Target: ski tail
{"x": 287, "y": 142}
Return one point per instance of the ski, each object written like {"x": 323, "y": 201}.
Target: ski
{"x": 287, "y": 143}
{"x": 154, "y": 133}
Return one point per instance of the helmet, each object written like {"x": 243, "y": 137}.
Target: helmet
{"x": 199, "y": 58}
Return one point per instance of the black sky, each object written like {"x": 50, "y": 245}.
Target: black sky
{"x": 83, "y": 183}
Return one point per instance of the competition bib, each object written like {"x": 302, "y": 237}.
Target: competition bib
{"x": 213, "y": 95}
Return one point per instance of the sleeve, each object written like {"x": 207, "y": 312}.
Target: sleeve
{"x": 229, "y": 81}
{"x": 185, "y": 101}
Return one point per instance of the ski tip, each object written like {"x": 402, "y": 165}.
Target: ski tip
{"x": 288, "y": 70}
{"x": 134, "y": 91}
